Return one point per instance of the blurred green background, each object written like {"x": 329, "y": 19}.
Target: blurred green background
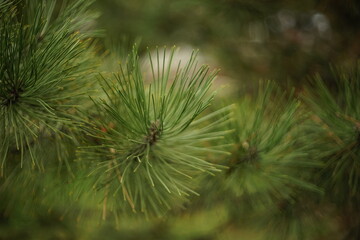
{"x": 282, "y": 40}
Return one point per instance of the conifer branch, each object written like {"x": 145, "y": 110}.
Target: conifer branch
{"x": 153, "y": 139}
{"x": 44, "y": 66}
{"x": 336, "y": 121}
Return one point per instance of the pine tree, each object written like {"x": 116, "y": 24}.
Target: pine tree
{"x": 150, "y": 149}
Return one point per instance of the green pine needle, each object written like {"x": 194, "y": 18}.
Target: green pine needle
{"x": 152, "y": 141}
{"x": 45, "y": 68}
{"x": 336, "y": 127}
{"x": 268, "y": 159}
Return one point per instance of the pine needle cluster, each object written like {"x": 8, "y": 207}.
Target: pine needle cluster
{"x": 335, "y": 130}
{"x": 45, "y": 65}
{"x": 152, "y": 140}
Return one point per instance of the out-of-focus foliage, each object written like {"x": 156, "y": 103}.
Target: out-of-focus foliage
{"x": 335, "y": 124}
{"x": 266, "y": 182}
{"x": 249, "y": 39}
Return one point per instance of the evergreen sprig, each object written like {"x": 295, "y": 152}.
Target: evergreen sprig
{"x": 269, "y": 168}
{"x": 45, "y": 68}
{"x": 268, "y": 152}
{"x": 335, "y": 130}
{"x": 266, "y": 179}
{"x": 152, "y": 143}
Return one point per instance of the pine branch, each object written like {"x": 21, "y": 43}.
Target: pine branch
{"x": 267, "y": 176}
{"x": 336, "y": 125}
{"x": 268, "y": 153}
{"x": 45, "y": 71}
{"x": 150, "y": 135}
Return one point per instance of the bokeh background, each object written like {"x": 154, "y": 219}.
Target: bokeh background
{"x": 286, "y": 41}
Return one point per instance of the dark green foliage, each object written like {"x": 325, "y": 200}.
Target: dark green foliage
{"x": 268, "y": 155}
{"x": 335, "y": 130}
{"x": 45, "y": 71}
{"x": 266, "y": 179}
